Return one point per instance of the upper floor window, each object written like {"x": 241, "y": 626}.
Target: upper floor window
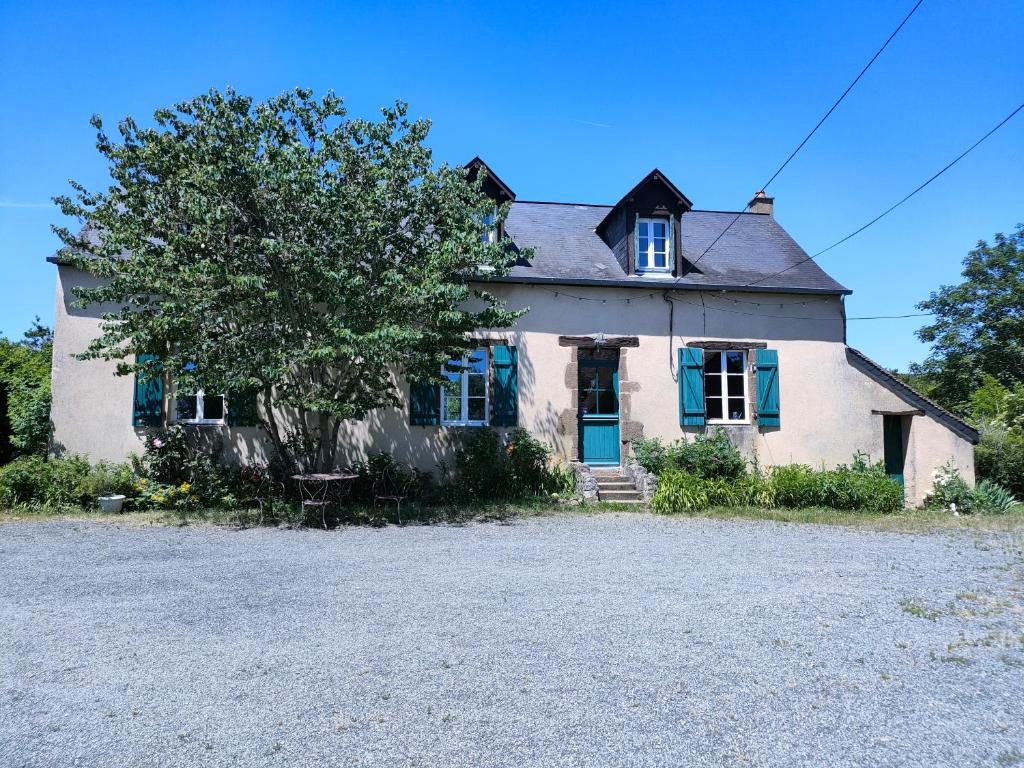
{"x": 464, "y": 396}
{"x": 725, "y": 386}
{"x": 653, "y": 245}
{"x": 490, "y": 235}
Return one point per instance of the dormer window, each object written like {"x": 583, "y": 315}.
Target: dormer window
{"x": 653, "y": 245}
{"x": 490, "y": 235}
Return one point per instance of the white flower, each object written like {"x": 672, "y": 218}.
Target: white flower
{"x": 158, "y": 443}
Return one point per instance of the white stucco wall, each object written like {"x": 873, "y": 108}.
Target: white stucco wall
{"x": 826, "y": 403}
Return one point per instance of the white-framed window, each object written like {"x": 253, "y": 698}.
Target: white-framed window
{"x": 200, "y": 408}
{"x": 490, "y": 235}
{"x": 725, "y": 386}
{"x": 653, "y": 245}
{"x": 465, "y": 397}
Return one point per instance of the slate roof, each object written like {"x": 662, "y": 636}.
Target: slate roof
{"x": 568, "y": 251}
{"x": 864, "y": 363}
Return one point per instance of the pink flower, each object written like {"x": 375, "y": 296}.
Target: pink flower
{"x": 158, "y": 443}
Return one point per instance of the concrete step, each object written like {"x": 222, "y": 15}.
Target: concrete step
{"x": 615, "y": 485}
{"x": 633, "y": 495}
{"x": 624, "y": 501}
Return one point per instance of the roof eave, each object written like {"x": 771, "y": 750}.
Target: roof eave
{"x": 661, "y": 284}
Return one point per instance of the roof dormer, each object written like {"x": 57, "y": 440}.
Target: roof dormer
{"x": 494, "y": 187}
{"x": 642, "y": 229}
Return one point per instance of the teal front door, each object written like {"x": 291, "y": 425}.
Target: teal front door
{"x": 599, "y": 411}
{"x": 892, "y": 440}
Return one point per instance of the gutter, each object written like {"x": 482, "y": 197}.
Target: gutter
{"x": 660, "y": 285}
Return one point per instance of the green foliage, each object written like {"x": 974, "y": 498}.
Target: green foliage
{"x": 950, "y": 492}
{"x": 988, "y": 401}
{"x": 1000, "y": 458}
{"x": 487, "y": 469}
{"x": 650, "y": 453}
{"x": 706, "y": 456}
{"x": 284, "y": 247}
{"x": 994, "y": 498}
{"x": 380, "y": 474}
{"x": 69, "y": 481}
{"x": 979, "y": 323}
{"x": 25, "y": 373}
{"x": 183, "y": 466}
{"x": 859, "y": 487}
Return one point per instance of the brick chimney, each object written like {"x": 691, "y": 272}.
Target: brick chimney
{"x": 762, "y": 203}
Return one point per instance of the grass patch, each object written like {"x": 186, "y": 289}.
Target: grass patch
{"x": 919, "y": 610}
{"x": 910, "y": 521}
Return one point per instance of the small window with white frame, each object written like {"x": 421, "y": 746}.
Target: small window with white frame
{"x": 653, "y": 245}
{"x": 490, "y": 235}
{"x": 725, "y": 386}
{"x": 466, "y": 392}
{"x": 200, "y": 408}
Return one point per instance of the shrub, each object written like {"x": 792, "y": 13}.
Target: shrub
{"x": 859, "y": 487}
{"x": 950, "y": 492}
{"x": 682, "y": 492}
{"x": 650, "y": 453}
{"x": 489, "y": 470}
{"x": 176, "y": 457}
{"x": 58, "y": 482}
{"x": 993, "y": 498}
{"x": 1000, "y": 458}
{"x": 381, "y": 471}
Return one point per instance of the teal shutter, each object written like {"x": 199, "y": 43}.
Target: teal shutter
{"x": 424, "y": 403}
{"x": 505, "y": 398}
{"x": 768, "y": 388}
{"x": 242, "y": 409}
{"x": 691, "y": 387}
{"x": 148, "y": 407}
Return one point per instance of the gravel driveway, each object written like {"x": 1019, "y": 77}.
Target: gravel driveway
{"x": 612, "y": 640}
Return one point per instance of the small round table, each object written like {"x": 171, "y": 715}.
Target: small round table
{"x": 320, "y": 490}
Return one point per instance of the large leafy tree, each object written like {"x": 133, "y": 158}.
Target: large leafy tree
{"x": 286, "y": 248}
{"x": 979, "y": 323}
{"x": 25, "y": 377}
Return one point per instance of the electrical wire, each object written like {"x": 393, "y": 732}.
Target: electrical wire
{"x": 893, "y": 207}
{"x": 816, "y": 127}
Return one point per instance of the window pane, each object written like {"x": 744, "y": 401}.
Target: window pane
{"x": 607, "y": 402}
{"x": 186, "y": 407}
{"x": 713, "y": 406}
{"x": 734, "y": 362}
{"x": 477, "y": 385}
{"x": 477, "y": 361}
{"x": 213, "y": 407}
{"x": 659, "y": 229}
{"x": 477, "y": 409}
{"x": 659, "y": 259}
{"x": 737, "y": 410}
{"x": 712, "y": 361}
{"x": 713, "y": 385}
{"x": 642, "y": 230}
{"x": 452, "y": 409}
{"x": 641, "y": 252}
{"x": 735, "y": 385}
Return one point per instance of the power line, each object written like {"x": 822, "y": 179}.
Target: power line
{"x": 817, "y": 126}
{"x": 893, "y": 207}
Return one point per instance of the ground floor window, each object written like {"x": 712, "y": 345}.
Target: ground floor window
{"x": 725, "y": 386}
{"x": 466, "y": 392}
{"x": 199, "y": 408}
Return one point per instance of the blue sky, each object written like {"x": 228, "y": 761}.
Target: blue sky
{"x": 572, "y": 102}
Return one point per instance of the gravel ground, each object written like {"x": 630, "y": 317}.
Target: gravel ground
{"x": 612, "y": 640}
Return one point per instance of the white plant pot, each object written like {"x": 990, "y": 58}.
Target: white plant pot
{"x": 111, "y": 503}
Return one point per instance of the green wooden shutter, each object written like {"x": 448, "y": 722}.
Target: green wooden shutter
{"x": 691, "y": 387}
{"x": 148, "y": 407}
{"x": 424, "y": 403}
{"x": 768, "y": 388}
{"x": 505, "y": 397}
{"x": 242, "y": 409}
